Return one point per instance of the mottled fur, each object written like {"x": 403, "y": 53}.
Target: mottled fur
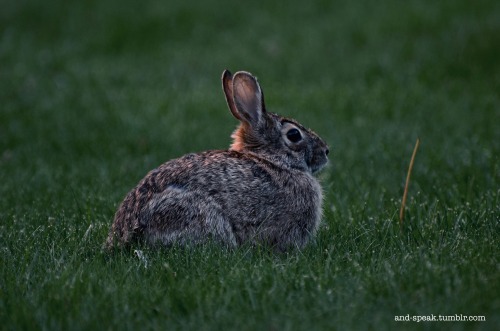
{"x": 261, "y": 190}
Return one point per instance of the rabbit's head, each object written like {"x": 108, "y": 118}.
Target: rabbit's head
{"x": 278, "y": 139}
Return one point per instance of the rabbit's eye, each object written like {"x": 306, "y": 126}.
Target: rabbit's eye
{"x": 294, "y": 135}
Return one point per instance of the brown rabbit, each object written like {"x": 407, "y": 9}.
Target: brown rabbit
{"x": 261, "y": 190}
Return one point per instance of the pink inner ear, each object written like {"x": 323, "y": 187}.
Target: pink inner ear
{"x": 245, "y": 90}
{"x": 246, "y": 94}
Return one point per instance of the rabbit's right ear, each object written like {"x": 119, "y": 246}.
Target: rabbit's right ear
{"x": 227, "y": 86}
{"x": 244, "y": 97}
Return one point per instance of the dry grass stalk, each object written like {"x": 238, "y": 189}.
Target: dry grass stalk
{"x": 403, "y": 202}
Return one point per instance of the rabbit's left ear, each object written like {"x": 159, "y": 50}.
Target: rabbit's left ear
{"x": 244, "y": 96}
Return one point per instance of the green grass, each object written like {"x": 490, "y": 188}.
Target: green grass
{"x": 96, "y": 93}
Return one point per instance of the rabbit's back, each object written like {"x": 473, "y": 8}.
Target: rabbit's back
{"x": 227, "y": 195}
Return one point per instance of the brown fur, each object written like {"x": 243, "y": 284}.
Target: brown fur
{"x": 261, "y": 190}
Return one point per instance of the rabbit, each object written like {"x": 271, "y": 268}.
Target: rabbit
{"x": 261, "y": 191}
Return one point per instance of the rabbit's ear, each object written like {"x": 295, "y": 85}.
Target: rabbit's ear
{"x": 227, "y": 86}
{"x": 248, "y": 99}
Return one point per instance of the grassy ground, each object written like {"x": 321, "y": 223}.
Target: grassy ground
{"x": 96, "y": 93}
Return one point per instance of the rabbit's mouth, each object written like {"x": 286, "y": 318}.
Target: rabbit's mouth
{"x": 316, "y": 168}
{"x": 318, "y": 162}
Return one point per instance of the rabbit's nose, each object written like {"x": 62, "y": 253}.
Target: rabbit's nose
{"x": 327, "y": 151}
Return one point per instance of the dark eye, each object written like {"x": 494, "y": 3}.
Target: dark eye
{"x": 294, "y": 135}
